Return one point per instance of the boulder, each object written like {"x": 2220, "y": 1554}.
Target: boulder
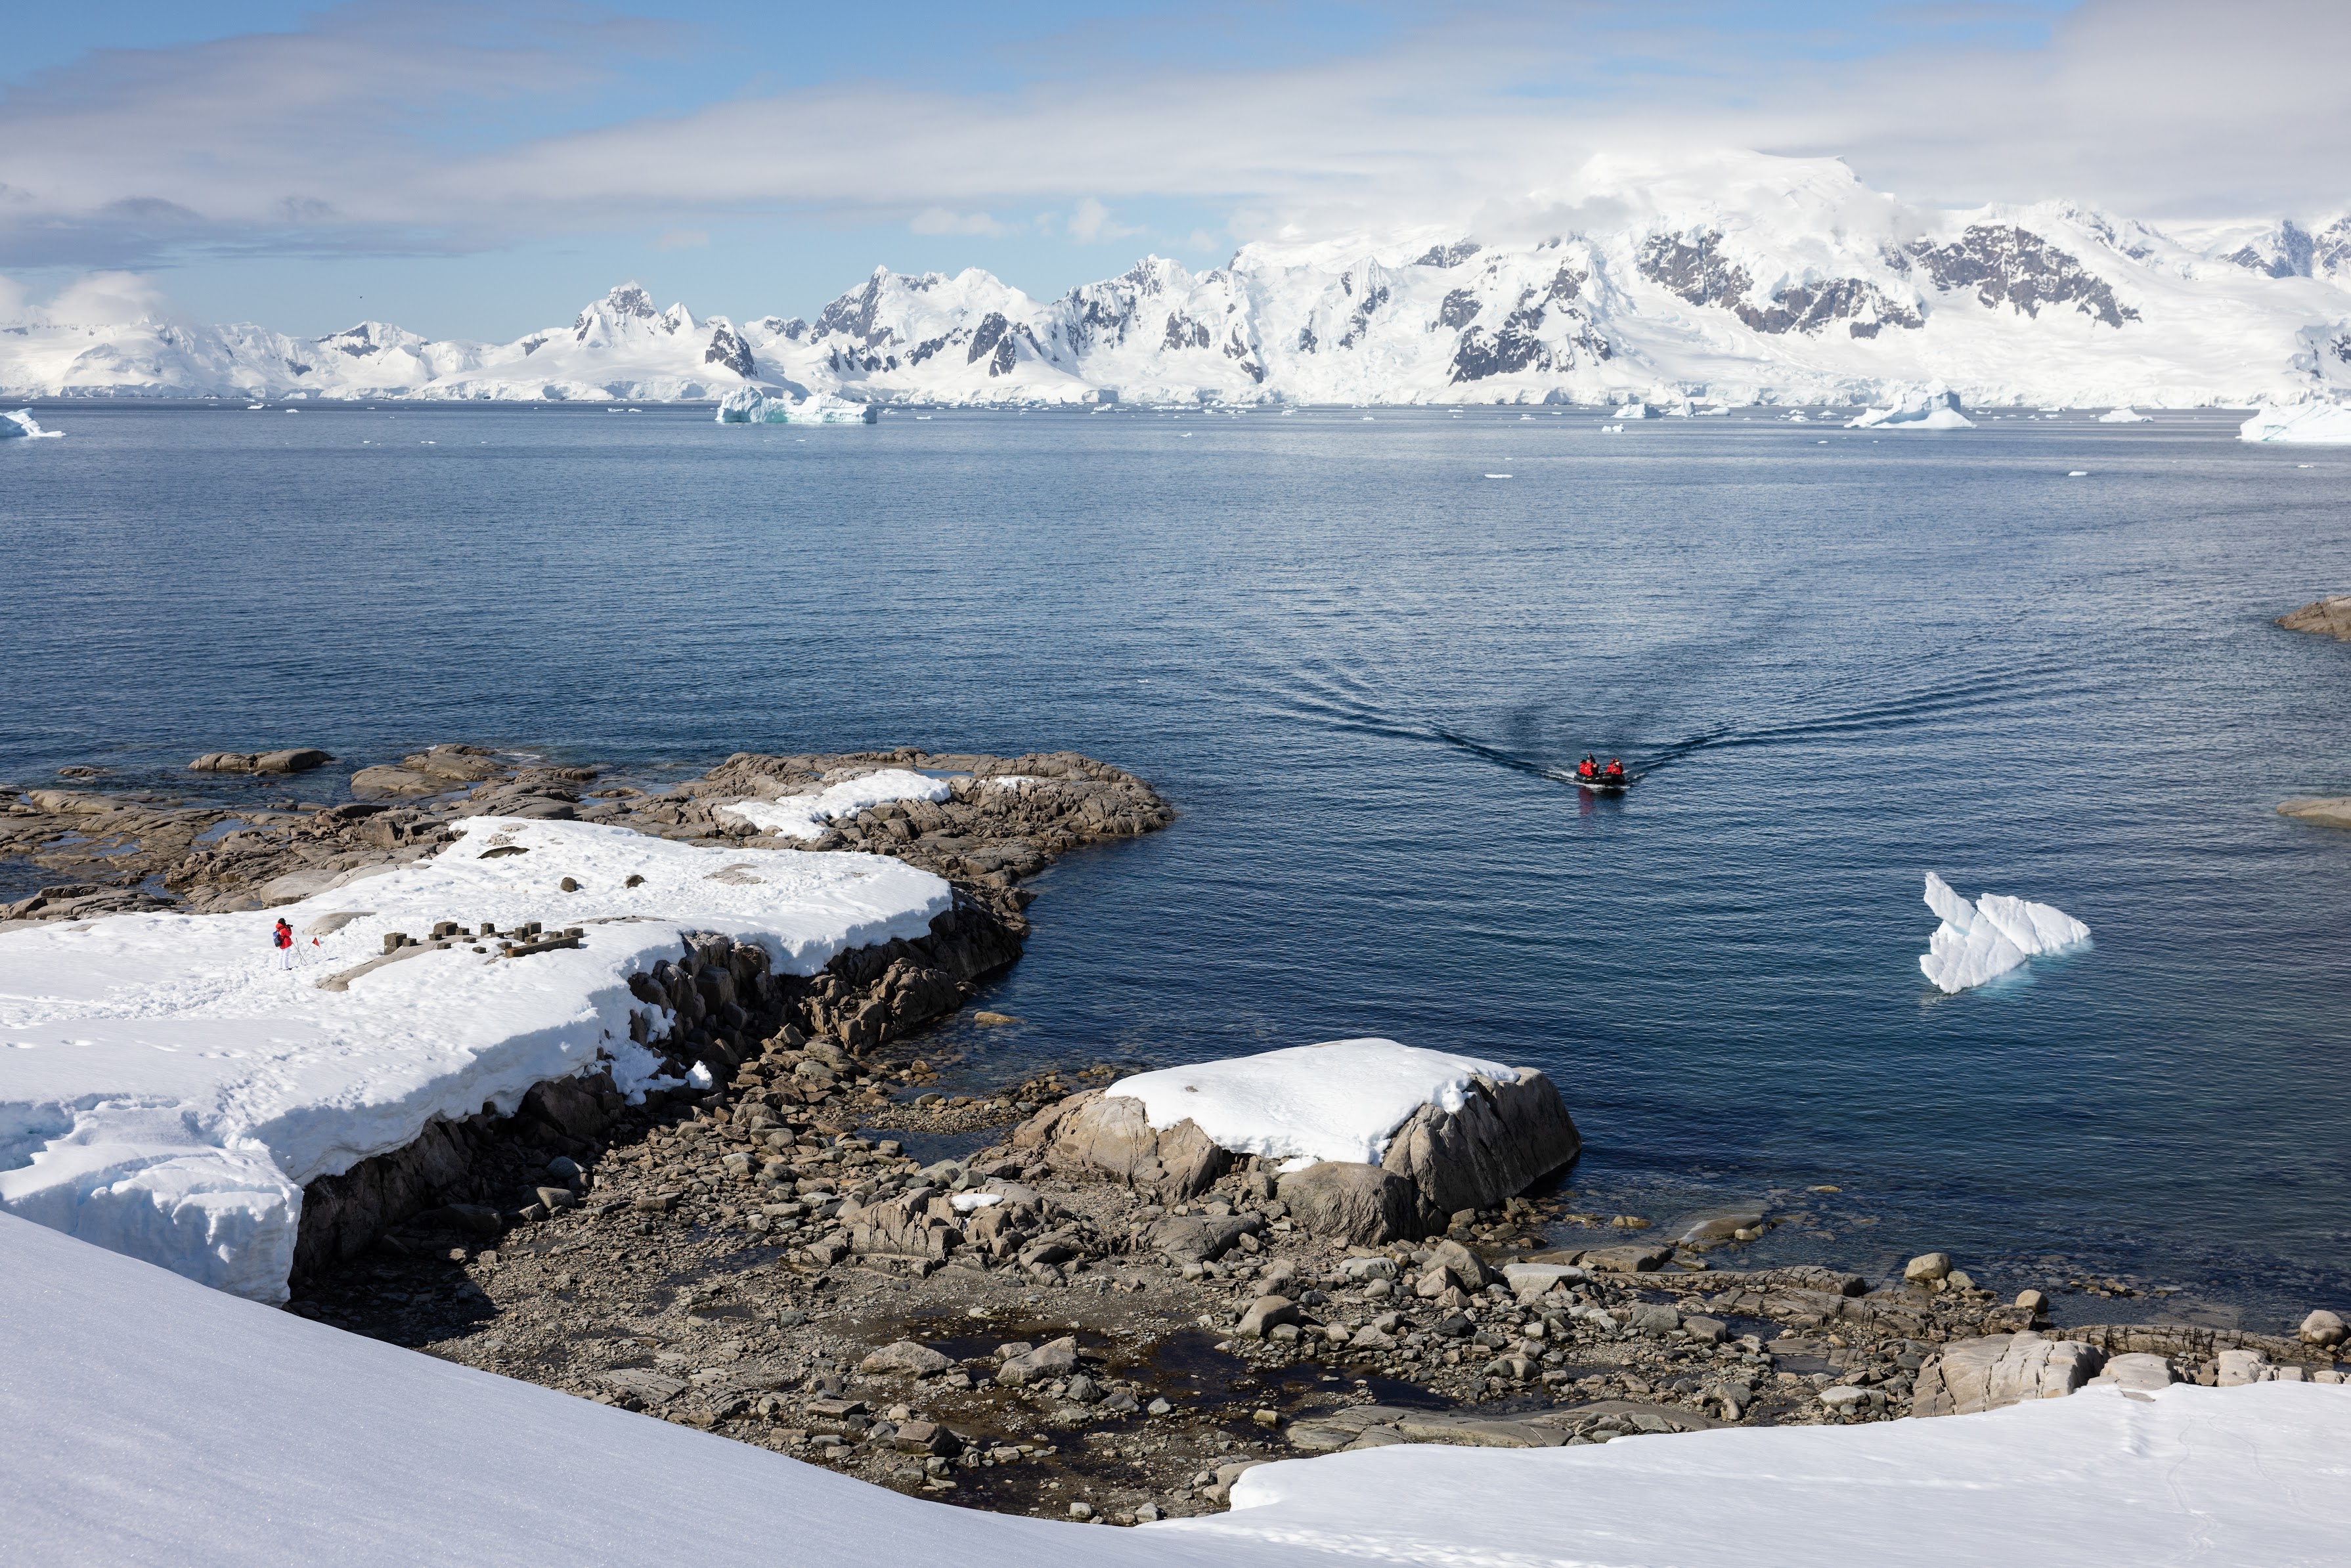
{"x": 1927, "y": 1268}
{"x": 1056, "y": 1359}
{"x": 1265, "y": 1313}
{"x": 2329, "y": 617}
{"x": 1360, "y": 1203}
{"x": 2322, "y": 1328}
{"x": 1191, "y": 1239}
{"x": 1094, "y": 1133}
{"x": 380, "y": 782}
{"x": 1463, "y": 1264}
{"x": 904, "y": 1355}
{"x": 1505, "y": 1136}
{"x": 2141, "y": 1373}
{"x": 1986, "y": 1374}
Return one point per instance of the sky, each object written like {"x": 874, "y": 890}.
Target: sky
{"x": 482, "y": 169}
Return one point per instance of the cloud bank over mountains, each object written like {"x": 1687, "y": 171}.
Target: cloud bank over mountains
{"x": 436, "y": 128}
{"x": 1732, "y": 277}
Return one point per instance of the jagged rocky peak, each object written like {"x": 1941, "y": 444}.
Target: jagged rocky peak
{"x": 2007, "y": 264}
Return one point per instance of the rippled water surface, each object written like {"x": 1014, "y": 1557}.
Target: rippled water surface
{"x": 1358, "y": 663}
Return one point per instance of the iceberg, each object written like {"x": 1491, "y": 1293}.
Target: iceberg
{"x": 2125, "y": 415}
{"x": 2300, "y": 424}
{"x": 22, "y": 423}
{"x": 1934, "y": 407}
{"x": 1631, "y": 411}
{"x": 748, "y": 405}
{"x": 804, "y": 816}
{"x": 1991, "y": 936}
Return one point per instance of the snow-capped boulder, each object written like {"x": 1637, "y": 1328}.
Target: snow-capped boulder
{"x": 1934, "y": 407}
{"x": 1446, "y": 1133}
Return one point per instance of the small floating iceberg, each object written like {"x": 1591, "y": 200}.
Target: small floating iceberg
{"x": 1631, "y": 411}
{"x": 2300, "y": 424}
{"x": 1991, "y": 936}
{"x": 749, "y": 406}
{"x": 22, "y": 423}
{"x": 2125, "y": 416}
{"x": 1934, "y": 407}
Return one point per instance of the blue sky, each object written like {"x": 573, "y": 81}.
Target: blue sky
{"x": 482, "y": 169}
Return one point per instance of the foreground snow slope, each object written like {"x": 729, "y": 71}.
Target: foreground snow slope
{"x": 152, "y": 1422}
{"x": 1734, "y": 276}
{"x": 165, "y": 1090}
{"x": 1339, "y": 1100}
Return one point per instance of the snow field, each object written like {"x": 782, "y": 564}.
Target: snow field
{"x": 166, "y": 1091}
{"x": 158, "y": 1424}
{"x": 804, "y": 816}
{"x": 1991, "y": 936}
{"x": 1339, "y": 1100}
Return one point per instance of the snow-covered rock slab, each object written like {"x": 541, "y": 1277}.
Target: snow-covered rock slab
{"x": 2300, "y": 424}
{"x": 166, "y": 1091}
{"x": 154, "y": 1423}
{"x": 1991, "y": 936}
{"x": 804, "y": 816}
{"x": 1379, "y": 1139}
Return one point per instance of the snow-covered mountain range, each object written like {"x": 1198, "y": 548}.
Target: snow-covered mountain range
{"x": 1740, "y": 278}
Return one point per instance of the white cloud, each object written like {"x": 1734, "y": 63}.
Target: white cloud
{"x": 388, "y": 129}
{"x": 106, "y": 299}
{"x": 942, "y": 221}
{"x": 12, "y": 299}
{"x": 1089, "y": 224}
{"x": 683, "y": 239}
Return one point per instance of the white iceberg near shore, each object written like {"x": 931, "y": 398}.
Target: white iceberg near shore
{"x": 22, "y": 423}
{"x": 2125, "y": 415}
{"x": 1991, "y": 936}
{"x": 2300, "y": 424}
{"x": 748, "y": 405}
{"x": 805, "y": 816}
{"x": 152, "y": 1422}
{"x": 166, "y": 1091}
{"x": 1934, "y": 407}
{"x": 1339, "y": 1100}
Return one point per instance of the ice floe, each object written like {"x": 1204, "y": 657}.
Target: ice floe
{"x": 1339, "y": 1100}
{"x": 749, "y": 406}
{"x": 804, "y": 816}
{"x": 166, "y": 1091}
{"x": 241, "y": 1435}
{"x": 1991, "y": 936}
{"x": 22, "y": 423}
{"x": 2300, "y": 424}
{"x": 2125, "y": 416}
{"x": 1933, "y": 407}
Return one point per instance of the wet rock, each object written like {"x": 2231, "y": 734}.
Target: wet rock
{"x": 297, "y": 759}
{"x": 2329, "y": 617}
{"x": 2326, "y": 811}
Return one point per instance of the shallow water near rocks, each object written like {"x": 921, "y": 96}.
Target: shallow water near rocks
{"x": 1358, "y": 669}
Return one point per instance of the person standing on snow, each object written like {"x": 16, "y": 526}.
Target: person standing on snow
{"x": 282, "y": 938}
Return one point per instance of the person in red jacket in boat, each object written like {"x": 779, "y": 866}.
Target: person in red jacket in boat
{"x": 1589, "y": 768}
{"x": 283, "y": 939}
{"x": 1614, "y": 773}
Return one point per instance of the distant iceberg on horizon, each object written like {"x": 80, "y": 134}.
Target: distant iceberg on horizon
{"x": 1976, "y": 942}
{"x": 748, "y": 405}
{"x": 1934, "y": 407}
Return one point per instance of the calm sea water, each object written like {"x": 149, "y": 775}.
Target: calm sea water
{"x": 1355, "y": 661}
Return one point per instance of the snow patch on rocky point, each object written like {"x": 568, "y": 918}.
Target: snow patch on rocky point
{"x": 1991, "y": 936}
{"x": 805, "y": 816}
{"x": 1339, "y": 1100}
{"x": 166, "y": 1091}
